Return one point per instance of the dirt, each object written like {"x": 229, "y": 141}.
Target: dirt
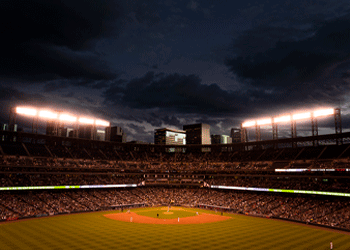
{"x": 198, "y": 219}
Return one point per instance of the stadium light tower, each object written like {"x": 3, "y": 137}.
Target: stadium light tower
{"x": 244, "y": 132}
{"x": 102, "y": 123}
{"x": 26, "y": 111}
{"x": 259, "y": 123}
{"x": 276, "y": 121}
{"x": 48, "y": 114}
{"x": 57, "y": 118}
{"x": 94, "y": 123}
{"x": 67, "y": 118}
{"x": 338, "y": 125}
{"x": 292, "y": 118}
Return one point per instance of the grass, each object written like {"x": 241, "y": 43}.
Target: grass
{"x": 94, "y": 231}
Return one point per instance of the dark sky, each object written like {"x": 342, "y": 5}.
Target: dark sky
{"x": 149, "y": 64}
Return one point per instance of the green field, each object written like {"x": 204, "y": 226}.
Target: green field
{"x": 94, "y": 231}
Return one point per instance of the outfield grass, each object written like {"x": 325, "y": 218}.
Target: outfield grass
{"x": 94, "y": 231}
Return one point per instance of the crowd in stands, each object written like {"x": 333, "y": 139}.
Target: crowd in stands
{"x": 21, "y": 179}
{"x": 170, "y": 164}
{"x": 62, "y": 165}
{"x": 325, "y": 211}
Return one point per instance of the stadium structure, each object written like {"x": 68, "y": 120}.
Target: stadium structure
{"x": 303, "y": 179}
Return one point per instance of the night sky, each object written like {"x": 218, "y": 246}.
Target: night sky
{"x": 152, "y": 64}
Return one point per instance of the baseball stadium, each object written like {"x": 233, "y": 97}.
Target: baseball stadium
{"x": 60, "y": 192}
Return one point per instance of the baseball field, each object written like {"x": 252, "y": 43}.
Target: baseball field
{"x": 163, "y": 228}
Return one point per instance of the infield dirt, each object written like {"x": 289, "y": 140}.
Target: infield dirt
{"x": 198, "y": 219}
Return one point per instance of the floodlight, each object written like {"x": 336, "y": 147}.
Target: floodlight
{"x": 102, "y": 123}
{"x": 68, "y": 118}
{"x": 285, "y": 118}
{"x": 48, "y": 114}
{"x": 86, "y": 120}
{"x": 323, "y": 112}
{"x": 264, "y": 121}
{"x": 301, "y": 116}
{"x": 249, "y": 124}
{"x": 26, "y": 111}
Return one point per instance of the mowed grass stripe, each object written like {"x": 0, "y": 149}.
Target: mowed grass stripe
{"x": 94, "y": 231}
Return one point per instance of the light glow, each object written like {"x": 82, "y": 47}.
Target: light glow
{"x": 57, "y": 115}
{"x": 102, "y": 123}
{"x": 301, "y": 116}
{"x": 26, "y": 111}
{"x": 68, "y": 187}
{"x": 285, "y": 118}
{"x": 323, "y": 112}
{"x": 264, "y": 121}
{"x": 281, "y": 190}
{"x": 48, "y": 114}
{"x": 249, "y": 124}
{"x": 86, "y": 120}
{"x": 68, "y": 118}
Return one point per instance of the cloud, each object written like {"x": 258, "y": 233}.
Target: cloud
{"x": 193, "y": 5}
{"x": 153, "y": 97}
{"x": 290, "y": 67}
{"x": 9, "y": 94}
{"x": 11, "y": 97}
{"x": 44, "y": 40}
{"x": 277, "y": 57}
{"x": 50, "y": 39}
{"x": 173, "y": 92}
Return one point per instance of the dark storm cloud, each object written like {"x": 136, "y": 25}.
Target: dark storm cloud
{"x": 140, "y": 131}
{"x": 54, "y": 86}
{"x": 153, "y": 97}
{"x": 273, "y": 60}
{"x": 8, "y": 94}
{"x": 51, "y": 39}
{"x": 11, "y": 97}
{"x": 156, "y": 119}
{"x": 174, "y": 92}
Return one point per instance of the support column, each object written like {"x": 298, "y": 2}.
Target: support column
{"x": 314, "y": 128}
{"x": 293, "y": 126}
{"x": 244, "y": 135}
{"x": 338, "y": 125}
{"x": 257, "y": 133}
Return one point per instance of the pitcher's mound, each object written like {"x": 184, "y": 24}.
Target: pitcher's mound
{"x": 198, "y": 219}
